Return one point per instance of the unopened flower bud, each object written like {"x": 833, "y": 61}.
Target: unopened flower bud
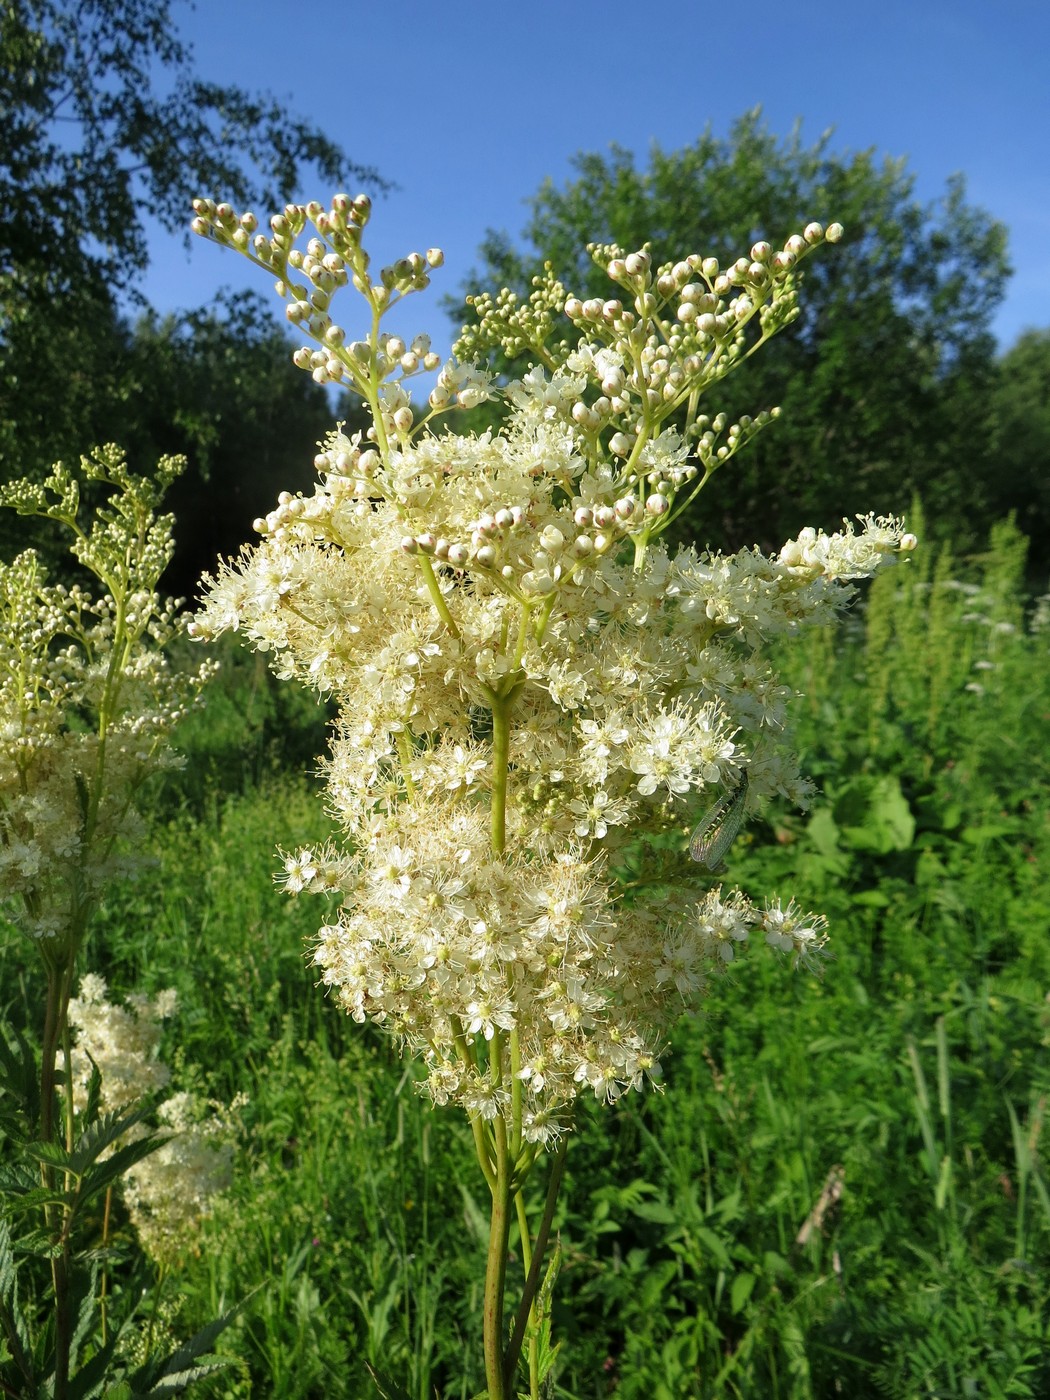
{"x": 813, "y": 232}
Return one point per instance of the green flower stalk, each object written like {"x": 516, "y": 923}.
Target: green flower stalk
{"x": 529, "y": 680}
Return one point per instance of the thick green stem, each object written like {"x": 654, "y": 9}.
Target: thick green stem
{"x": 496, "y": 1267}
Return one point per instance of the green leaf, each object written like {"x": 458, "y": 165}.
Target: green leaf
{"x": 823, "y": 832}
{"x": 742, "y": 1287}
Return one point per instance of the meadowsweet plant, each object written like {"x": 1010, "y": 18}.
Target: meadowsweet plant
{"x": 535, "y": 693}
{"x": 171, "y": 1190}
{"x": 87, "y": 704}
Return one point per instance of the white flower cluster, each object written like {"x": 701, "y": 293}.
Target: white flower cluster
{"x": 528, "y": 679}
{"x": 87, "y": 700}
{"x": 121, "y": 1041}
{"x": 169, "y": 1191}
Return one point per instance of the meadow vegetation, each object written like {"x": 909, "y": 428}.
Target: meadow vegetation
{"x": 838, "y": 1191}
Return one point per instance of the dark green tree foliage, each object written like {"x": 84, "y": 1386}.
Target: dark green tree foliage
{"x": 1020, "y": 477}
{"x": 884, "y": 380}
{"x": 218, "y": 386}
{"x": 103, "y": 120}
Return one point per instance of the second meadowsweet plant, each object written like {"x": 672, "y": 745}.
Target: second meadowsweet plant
{"x": 534, "y": 691}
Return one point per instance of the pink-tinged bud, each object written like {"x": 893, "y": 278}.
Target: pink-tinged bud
{"x": 637, "y": 264}
{"x": 583, "y": 516}
{"x": 582, "y": 546}
{"x": 573, "y": 308}
{"x": 486, "y": 556}
{"x": 457, "y": 556}
{"x": 435, "y": 257}
{"x": 813, "y": 232}
{"x": 908, "y": 541}
{"x": 427, "y": 542}
{"x": 834, "y": 232}
{"x": 657, "y": 505}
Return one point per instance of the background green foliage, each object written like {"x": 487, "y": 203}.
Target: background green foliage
{"x": 887, "y": 381}
{"x": 916, "y": 1071}
{"x": 105, "y": 118}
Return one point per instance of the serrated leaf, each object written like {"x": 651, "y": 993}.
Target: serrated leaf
{"x": 13, "y": 1323}
{"x": 113, "y": 1168}
{"x": 103, "y": 1133}
{"x": 388, "y": 1389}
{"x": 166, "y": 1377}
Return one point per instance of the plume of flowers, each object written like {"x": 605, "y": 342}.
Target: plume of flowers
{"x": 529, "y": 679}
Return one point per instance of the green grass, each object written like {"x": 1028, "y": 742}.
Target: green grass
{"x": 914, "y": 1075}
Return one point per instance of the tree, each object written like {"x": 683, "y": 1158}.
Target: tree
{"x": 1020, "y": 479}
{"x": 102, "y": 118}
{"x": 879, "y": 378}
{"x": 218, "y": 386}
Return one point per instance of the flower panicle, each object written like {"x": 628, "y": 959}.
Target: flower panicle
{"x": 536, "y": 696}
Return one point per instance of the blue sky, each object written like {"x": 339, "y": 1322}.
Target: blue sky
{"x": 468, "y": 106}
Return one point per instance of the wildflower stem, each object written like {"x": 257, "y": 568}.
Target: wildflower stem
{"x": 437, "y": 597}
{"x": 500, "y": 761}
{"x": 496, "y": 1267}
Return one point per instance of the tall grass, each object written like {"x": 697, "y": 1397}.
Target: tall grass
{"x": 842, "y": 1189}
